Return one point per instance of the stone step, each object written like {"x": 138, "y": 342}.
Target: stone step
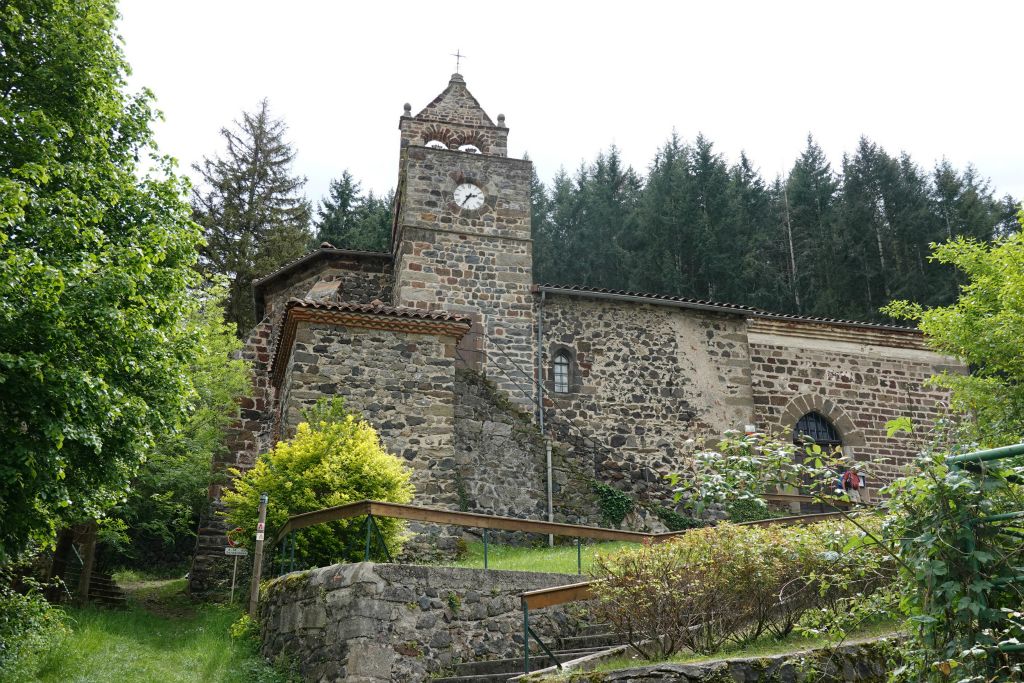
{"x": 595, "y": 630}
{"x": 480, "y": 678}
{"x": 602, "y": 641}
{"x": 515, "y": 664}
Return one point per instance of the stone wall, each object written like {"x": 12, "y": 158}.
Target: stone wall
{"x": 644, "y": 379}
{"x": 500, "y": 455}
{"x": 858, "y": 378}
{"x": 401, "y": 382}
{"x": 359, "y": 278}
{"x": 246, "y": 438}
{"x": 455, "y": 118}
{"x": 388, "y": 622}
{"x": 476, "y": 263}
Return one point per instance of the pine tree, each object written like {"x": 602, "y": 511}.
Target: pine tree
{"x": 545, "y": 245}
{"x": 758, "y": 246}
{"x": 562, "y": 235}
{"x": 809, "y": 197}
{"x": 250, "y": 207}
{"x": 658, "y": 253}
{"x": 609, "y": 197}
{"x": 350, "y": 220}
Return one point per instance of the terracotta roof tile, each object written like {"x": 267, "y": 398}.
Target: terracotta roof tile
{"x": 377, "y": 307}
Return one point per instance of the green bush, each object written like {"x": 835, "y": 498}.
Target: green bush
{"x": 749, "y": 510}
{"x": 28, "y": 625}
{"x": 334, "y": 458}
{"x": 731, "y": 583}
{"x": 959, "y": 579}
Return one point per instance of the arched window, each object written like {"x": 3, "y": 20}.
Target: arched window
{"x": 561, "y": 372}
{"x": 472, "y": 149}
{"x": 437, "y": 144}
{"x": 816, "y": 428}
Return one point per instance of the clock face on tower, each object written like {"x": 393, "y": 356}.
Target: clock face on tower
{"x": 469, "y": 196}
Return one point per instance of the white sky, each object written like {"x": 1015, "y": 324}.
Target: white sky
{"x": 932, "y": 78}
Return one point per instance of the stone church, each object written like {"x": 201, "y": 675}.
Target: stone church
{"x": 479, "y": 377}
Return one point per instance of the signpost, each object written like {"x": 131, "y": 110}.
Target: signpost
{"x": 237, "y": 553}
{"x": 257, "y": 560}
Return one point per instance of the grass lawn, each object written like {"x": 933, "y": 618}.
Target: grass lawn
{"x": 560, "y": 559}
{"x": 162, "y": 636}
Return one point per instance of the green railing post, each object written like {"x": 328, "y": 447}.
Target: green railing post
{"x": 291, "y": 567}
{"x": 380, "y": 539}
{"x": 526, "y": 637}
{"x": 369, "y": 530}
{"x": 485, "y": 548}
{"x": 579, "y": 557}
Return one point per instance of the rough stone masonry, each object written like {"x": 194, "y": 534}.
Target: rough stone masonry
{"x": 452, "y": 351}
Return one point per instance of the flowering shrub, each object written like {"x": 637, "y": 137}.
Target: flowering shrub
{"x": 732, "y": 583}
{"x": 744, "y": 467}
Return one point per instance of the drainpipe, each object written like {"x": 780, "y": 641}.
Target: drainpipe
{"x": 540, "y": 412}
{"x": 540, "y": 363}
{"x": 551, "y": 512}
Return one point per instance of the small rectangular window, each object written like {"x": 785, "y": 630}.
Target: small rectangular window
{"x": 561, "y": 374}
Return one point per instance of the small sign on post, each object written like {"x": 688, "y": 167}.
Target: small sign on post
{"x": 236, "y": 553}
{"x": 257, "y": 560}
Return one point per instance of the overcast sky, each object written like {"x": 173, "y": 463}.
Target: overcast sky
{"x": 933, "y": 79}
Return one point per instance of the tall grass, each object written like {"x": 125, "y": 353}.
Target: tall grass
{"x": 161, "y": 637}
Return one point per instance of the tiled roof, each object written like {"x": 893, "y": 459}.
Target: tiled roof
{"x": 833, "y": 321}
{"x": 324, "y": 250}
{"x": 620, "y": 293}
{"x": 378, "y": 308}
{"x": 702, "y": 304}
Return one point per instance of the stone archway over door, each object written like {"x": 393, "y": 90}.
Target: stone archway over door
{"x": 813, "y": 403}
{"x": 852, "y": 438}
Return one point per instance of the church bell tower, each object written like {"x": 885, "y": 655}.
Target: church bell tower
{"x": 462, "y": 235}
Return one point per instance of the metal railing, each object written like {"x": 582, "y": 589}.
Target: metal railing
{"x": 373, "y": 509}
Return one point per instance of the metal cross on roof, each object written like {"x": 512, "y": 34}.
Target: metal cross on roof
{"x": 458, "y": 57}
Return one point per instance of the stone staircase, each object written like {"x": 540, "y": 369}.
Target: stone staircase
{"x": 592, "y": 639}
{"x": 103, "y": 590}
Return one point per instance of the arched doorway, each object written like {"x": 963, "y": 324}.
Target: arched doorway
{"x": 815, "y": 428}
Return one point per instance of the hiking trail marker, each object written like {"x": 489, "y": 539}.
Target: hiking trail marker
{"x": 236, "y": 553}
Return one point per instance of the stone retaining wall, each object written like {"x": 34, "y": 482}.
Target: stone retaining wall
{"x": 391, "y": 622}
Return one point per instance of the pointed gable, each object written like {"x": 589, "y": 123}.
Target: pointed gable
{"x": 456, "y": 105}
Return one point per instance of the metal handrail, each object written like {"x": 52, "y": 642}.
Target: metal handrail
{"x": 986, "y": 455}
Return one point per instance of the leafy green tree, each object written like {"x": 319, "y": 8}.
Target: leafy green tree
{"x": 161, "y": 510}
{"x": 333, "y": 459}
{"x": 959, "y": 580}
{"x": 96, "y": 258}
{"x": 250, "y": 207}
{"x": 350, "y": 220}
{"x": 983, "y": 329}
